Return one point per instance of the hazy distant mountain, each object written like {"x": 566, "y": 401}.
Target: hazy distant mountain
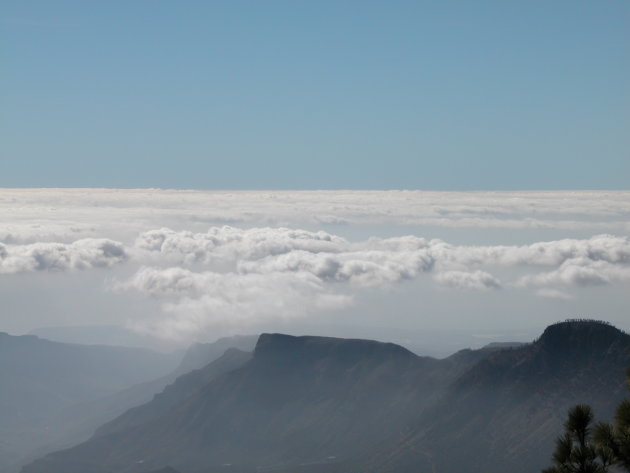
{"x": 38, "y": 378}
{"x": 113, "y": 335}
{"x": 80, "y": 420}
{"x": 200, "y": 354}
{"x": 39, "y": 375}
{"x": 75, "y": 421}
{"x": 325, "y": 405}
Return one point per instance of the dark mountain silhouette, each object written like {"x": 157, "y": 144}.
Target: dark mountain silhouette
{"x": 325, "y": 405}
{"x": 505, "y": 413}
{"x": 501, "y": 345}
{"x": 298, "y": 400}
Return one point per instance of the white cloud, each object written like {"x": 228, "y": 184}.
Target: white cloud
{"x": 370, "y": 262}
{"x": 361, "y": 268}
{"x": 118, "y": 213}
{"x": 475, "y": 280}
{"x": 228, "y": 275}
{"x": 226, "y": 243}
{"x": 553, "y": 294}
{"x": 608, "y": 248}
{"x": 23, "y": 233}
{"x": 580, "y": 271}
{"x": 81, "y": 254}
{"x": 188, "y": 267}
{"x": 270, "y": 250}
{"x": 198, "y": 301}
{"x": 174, "y": 247}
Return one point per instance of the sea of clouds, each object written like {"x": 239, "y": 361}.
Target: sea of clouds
{"x": 227, "y": 259}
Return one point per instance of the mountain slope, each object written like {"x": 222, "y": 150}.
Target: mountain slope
{"x": 323, "y": 405}
{"x": 80, "y": 420}
{"x": 183, "y": 387}
{"x": 298, "y": 400}
{"x": 505, "y": 413}
{"x": 77, "y": 422}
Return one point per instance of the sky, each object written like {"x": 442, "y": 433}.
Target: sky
{"x": 434, "y": 95}
{"x": 406, "y": 171}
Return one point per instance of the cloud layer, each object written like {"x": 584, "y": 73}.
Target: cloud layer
{"x": 81, "y": 254}
{"x": 474, "y": 280}
{"x": 227, "y": 259}
{"x": 198, "y": 301}
{"x": 31, "y": 215}
{"x": 229, "y": 275}
{"x": 376, "y": 260}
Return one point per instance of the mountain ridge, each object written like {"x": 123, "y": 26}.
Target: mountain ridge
{"x": 518, "y": 399}
{"x": 321, "y": 404}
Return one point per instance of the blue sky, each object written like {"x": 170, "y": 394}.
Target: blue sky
{"x": 315, "y": 95}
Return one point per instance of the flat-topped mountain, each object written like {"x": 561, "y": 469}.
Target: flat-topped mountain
{"x": 582, "y": 338}
{"x": 321, "y": 405}
{"x": 313, "y": 347}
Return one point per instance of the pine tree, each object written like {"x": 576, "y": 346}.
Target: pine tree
{"x": 575, "y": 450}
{"x": 615, "y": 438}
